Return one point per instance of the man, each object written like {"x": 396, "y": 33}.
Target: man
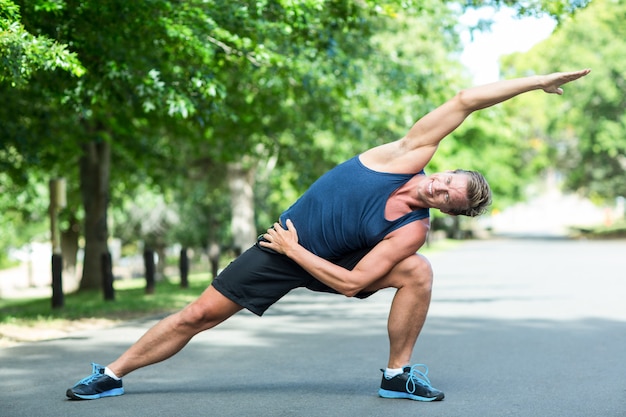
{"x": 354, "y": 232}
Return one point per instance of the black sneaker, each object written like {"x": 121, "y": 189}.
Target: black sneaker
{"x": 96, "y": 385}
{"x": 412, "y": 384}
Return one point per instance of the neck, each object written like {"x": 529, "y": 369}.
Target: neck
{"x": 403, "y": 200}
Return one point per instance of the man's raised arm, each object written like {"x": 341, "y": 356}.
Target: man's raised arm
{"x": 432, "y": 128}
{"x": 414, "y": 151}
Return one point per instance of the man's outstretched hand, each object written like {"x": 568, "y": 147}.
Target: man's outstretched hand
{"x": 552, "y": 82}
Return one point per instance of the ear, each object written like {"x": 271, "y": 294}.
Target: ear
{"x": 447, "y": 212}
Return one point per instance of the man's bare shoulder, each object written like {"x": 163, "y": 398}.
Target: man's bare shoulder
{"x": 393, "y": 158}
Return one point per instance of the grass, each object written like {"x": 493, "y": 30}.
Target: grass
{"x": 130, "y": 298}
{"x": 34, "y": 319}
{"x": 130, "y": 302}
{"x": 616, "y": 230}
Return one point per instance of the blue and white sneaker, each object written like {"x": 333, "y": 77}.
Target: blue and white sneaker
{"x": 96, "y": 385}
{"x": 413, "y": 384}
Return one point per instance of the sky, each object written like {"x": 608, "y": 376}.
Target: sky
{"x": 508, "y": 34}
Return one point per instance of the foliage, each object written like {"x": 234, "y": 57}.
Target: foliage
{"x": 557, "y": 9}
{"x": 24, "y": 216}
{"x": 179, "y": 89}
{"x": 584, "y": 130}
{"x": 396, "y": 82}
{"x": 22, "y": 53}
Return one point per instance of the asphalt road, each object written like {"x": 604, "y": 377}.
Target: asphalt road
{"x": 517, "y": 328}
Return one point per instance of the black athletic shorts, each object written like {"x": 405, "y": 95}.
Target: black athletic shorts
{"x": 260, "y": 276}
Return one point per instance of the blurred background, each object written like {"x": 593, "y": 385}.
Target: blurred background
{"x": 154, "y": 139}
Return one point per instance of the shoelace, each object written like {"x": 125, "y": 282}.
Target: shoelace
{"x": 96, "y": 372}
{"x": 416, "y": 376}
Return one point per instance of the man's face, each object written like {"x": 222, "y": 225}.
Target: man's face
{"x": 445, "y": 190}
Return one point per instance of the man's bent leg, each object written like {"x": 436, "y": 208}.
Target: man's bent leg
{"x": 409, "y": 308}
{"x": 413, "y": 279}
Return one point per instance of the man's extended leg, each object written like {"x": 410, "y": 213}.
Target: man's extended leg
{"x": 172, "y": 333}
{"x": 160, "y": 342}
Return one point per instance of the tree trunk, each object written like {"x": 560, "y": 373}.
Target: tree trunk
{"x": 69, "y": 250}
{"x": 183, "y": 266}
{"x": 94, "y": 186}
{"x": 161, "y": 252}
{"x": 148, "y": 262}
{"x": 240, "y": 184}
{"x": 214, "y": 258}
{"x": 106, "y": 264}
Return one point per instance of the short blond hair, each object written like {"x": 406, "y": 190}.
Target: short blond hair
{"x": 478, "y": 194}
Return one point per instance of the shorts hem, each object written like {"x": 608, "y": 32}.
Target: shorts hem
{"x": 238, "y": 300}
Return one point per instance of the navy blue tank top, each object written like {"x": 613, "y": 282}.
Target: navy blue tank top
{"x": 344, "y": 210}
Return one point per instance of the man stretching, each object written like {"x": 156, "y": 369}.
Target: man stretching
{"x": 355, "y": 231}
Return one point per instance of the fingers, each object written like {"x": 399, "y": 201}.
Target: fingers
{"x": 556, "y": 80}
{"x": 577, "y": 74}
{"x": 278, "y": 230}
{"x": 280, "y": 239}
{"x": 274, "y": 231}
{"x": 584, "y": 72}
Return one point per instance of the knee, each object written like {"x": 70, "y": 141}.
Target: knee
{"x": 418, "y": 272}
{"x": 206, "y": 312}
{"x": 196, "y": 316}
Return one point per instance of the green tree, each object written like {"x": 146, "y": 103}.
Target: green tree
{"x": 23, "y": 53}
{"x": 171, "y": 85}
{"x": 134, "y": 78}
{"x": 584, "y": 132}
